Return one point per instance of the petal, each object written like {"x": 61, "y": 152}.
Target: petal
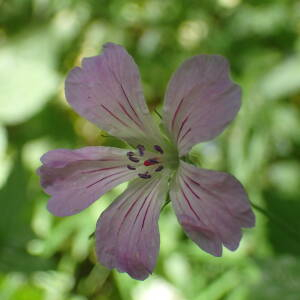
{"x": 200, "y": 101}
{"x": 77, "y": 178}
{"x": 127, "y": 236}
{"x": 212, "y": 207}
{"x": 106, "y": 90}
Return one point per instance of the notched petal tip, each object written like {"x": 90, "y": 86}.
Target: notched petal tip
{"x": 134, "y": 268}
{"x": 107, "y": 91}
{"x": 212, "y": 207}
{"x": 204, "y": 237}
{"x": 127, "y": 236}
{"x": 77, "y": 178}
{"x": 201, "y": 100}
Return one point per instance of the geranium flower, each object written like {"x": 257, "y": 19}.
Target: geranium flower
{"x": 200, "y": 101}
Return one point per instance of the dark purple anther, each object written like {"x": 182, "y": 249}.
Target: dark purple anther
{"x": 141, "y": 149}
{"x": 134, "y": 159}
{"x": 158, "y": 149}
{"x": 144, "y": 176}
{"x": 159, "y": 169}
{"x": 131, "y": 167}
{"x": 130, "y": 153}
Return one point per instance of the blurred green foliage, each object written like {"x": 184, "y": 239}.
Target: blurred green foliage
{"x": 43, "y": 257}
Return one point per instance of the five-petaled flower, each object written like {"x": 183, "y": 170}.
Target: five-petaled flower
{"x": 200, "y": 101}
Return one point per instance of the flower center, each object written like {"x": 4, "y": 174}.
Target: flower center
{"x": 146, "y": 163}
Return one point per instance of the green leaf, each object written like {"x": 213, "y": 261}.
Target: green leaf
{"x": 27, "y": 75}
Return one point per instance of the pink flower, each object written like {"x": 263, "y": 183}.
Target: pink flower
{"x": 200, "y": 101}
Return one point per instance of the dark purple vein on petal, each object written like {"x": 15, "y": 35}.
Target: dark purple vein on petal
{"x": 128, "y": 211}
{"x": 137, "y": 199}
{"x": 150, "y": 201}
{"x": 144, "y": 204}
{"x": 185, "y": 134}
{"x": 109, "y": 159}
{"x": 125, "y": 94}
{"x": 211, "y": 193}
{"x": 132, "y": 205}
{"x": 108, "y": 176}
{"x": 145, "y": 215}
{"x": 113, "y": 115}
{"x": 129, "y": 116}
{"x": 101, "y": 169}
{"x": 196, "y": 195}
{"x": 132, "y": 108}
{"x": 175, "y": 114}
{"x": 181, "y": 126}
{"x": 189, "y": 204}
{"x": 122, "y": 204}
{"x": 191, "y": 190}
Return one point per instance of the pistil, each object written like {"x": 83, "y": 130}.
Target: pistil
{"x": 151, "y": 162}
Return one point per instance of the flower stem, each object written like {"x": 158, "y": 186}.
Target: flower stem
{"x": 159, "y": 115}
{"x": 276, "y": 220}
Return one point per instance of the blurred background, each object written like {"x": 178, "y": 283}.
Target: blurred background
{"x": 48, "y": 258}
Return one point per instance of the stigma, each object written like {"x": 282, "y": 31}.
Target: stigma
{"x": 151, "y": 162}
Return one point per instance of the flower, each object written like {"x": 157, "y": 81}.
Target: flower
{"x": 200, "y": 101}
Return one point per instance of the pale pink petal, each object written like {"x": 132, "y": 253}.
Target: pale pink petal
{"x": 77, "y": 178}
{"x": 211, "y": 206}
{"x": 106, "y": 90}
{"x": 200, "y": 101}
{"x": 127, "y": 236}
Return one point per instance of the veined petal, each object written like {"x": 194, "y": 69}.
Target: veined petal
{"x": 200, "y": 101}
{"x": 106, "y": 90}
{"x": 77, "y": 178}
{"x": 127, "y": 236}
{"x": 211, "y": 206}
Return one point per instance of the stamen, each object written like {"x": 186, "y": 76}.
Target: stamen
{"x": 141, "y": 149}
{"x": 158, "y": 149}
{"x": 131, "y": 167}
{"x": 159, "y": 169}
{"x": 134, "y": 159}
{"x": 150, "y": 162}
{"x": 144, "y": 176}
{"x": 130, "y": 153}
